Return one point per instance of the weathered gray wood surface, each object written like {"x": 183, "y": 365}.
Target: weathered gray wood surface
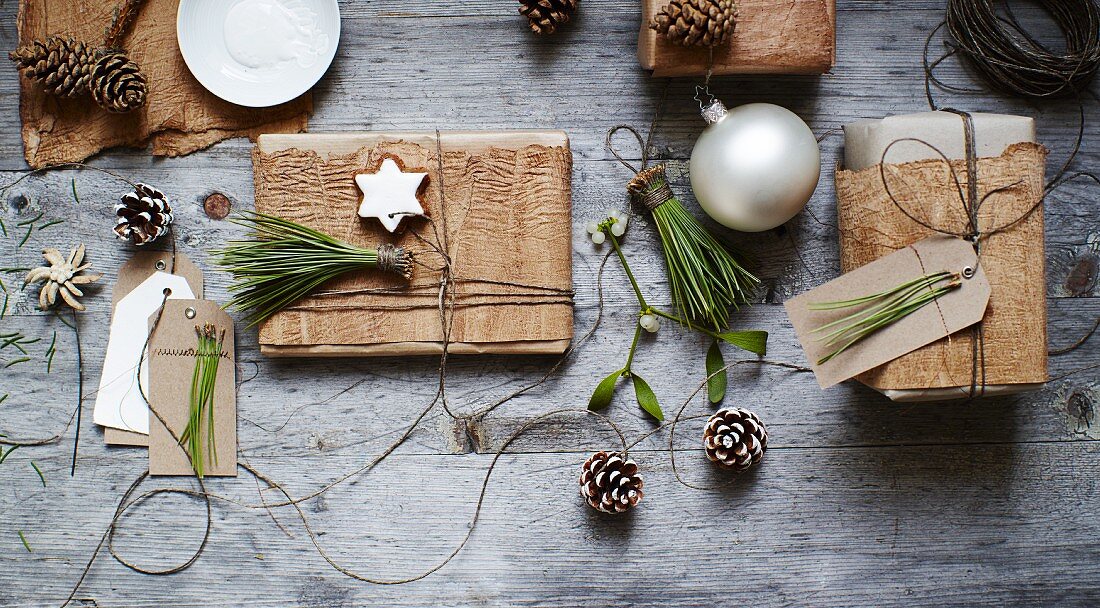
{"x": 859, "y": 501}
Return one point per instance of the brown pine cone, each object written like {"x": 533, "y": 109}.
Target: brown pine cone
{"x": 117, "y": 83}
{"x": 735, "y": 438}
{"x": 705, "y": 23}
{"x": 143, "y": 215}
{"x": 62, "y": 65}
{"x": 546, "y": 15}
{"x": 609, "y": 483}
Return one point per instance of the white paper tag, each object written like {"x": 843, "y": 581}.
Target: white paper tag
{"x": 119, "y": 403}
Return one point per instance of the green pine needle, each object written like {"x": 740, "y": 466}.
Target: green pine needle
{"x": 32, "y": 220}
{"x": 50, "y": 352}
{"x": 23, "y": 539}
{"x": 285, "y": 261}
{"x": 41, "y": 477}
{"x": 880, "y": 310}
{"x": 203, "y": 380}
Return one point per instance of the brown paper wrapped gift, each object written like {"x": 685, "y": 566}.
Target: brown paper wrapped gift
{"x": 770, "y": 37}
{"x": 179, "y": 116}
{"x": 1013, "y": 353}
{"x": 505, "y": 215}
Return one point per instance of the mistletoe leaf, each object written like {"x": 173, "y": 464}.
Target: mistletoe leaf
{"x": 716, "y": 376}
{"x": 753, "y": 341}
{"x": 601, "y": 397}
{"x": 647, "y": 400}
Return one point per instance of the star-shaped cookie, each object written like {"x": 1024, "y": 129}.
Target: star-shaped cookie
{"x": 390, "y": 194}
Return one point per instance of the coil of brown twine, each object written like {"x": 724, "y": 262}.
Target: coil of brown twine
{"x": 1012, "y": 59}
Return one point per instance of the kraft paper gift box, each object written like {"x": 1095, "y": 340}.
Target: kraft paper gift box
{"x": 1013, "y": 353}
{"x": 505, "y": 214}
{"x": 770, "y": 37}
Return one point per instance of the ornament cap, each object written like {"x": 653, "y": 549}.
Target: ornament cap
{"x": 714, "y": 112}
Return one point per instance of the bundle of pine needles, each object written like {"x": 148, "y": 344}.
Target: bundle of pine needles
{"x": 881, "y": 309}
{"x": 706, "y": 278}
{"x": 207, "y": 357}
{"x": 285, "y": 261}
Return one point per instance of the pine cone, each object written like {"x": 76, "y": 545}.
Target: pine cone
{"x": 62, "y": 65}
{"x": 610, "y": 484}
{"x": 696, "y": 22}
{"x": 143, "y": 215}
{"x": 546, "y": 15}
{"x": 117, "y": 83}
{"x": 735, "y": 439}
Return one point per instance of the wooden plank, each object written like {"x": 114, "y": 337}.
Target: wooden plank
{"x": 896, "y": 526}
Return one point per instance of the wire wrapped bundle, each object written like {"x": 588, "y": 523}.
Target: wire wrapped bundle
{"x": 705, "y": 277}
{"x": 285, "y": 261}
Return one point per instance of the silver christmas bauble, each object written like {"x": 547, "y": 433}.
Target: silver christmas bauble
{"x": 755, "y": 166}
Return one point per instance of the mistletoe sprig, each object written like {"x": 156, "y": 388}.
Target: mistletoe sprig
{"x": 649, "y": 319}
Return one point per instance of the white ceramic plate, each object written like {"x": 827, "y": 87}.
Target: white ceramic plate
{"x": 258, "y": 53}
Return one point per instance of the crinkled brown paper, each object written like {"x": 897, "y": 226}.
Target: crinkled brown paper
{"x": 872, "y": 226}
{"x": 180, "y": 116}
{"x": 507, "y": 220}
{"x": 770, "y": 37}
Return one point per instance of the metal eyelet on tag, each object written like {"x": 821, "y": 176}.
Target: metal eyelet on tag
{"x": 189, "y": 313}
{"x": 160, "y": 265}
{"x": 968, "y": 272}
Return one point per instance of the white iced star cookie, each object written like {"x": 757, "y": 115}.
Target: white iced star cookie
{"x": 390, "y": 194}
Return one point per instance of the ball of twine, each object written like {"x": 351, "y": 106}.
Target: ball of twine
{"x": 1011, "y": 59}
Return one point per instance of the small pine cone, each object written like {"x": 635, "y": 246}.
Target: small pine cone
{"x": 143, "y": 215}
{"x": 117, "y": 83}
{"x": 62, "y": 65}
{"x": 735, "y": 439}
{"x": 704, "y": 23}
{"x": 610, "y": 484}
{"x": 546, "y": 15}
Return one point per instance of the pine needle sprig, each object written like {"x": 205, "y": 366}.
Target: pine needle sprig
{"x": 203, "y": 380}
{"x": 880, "y": 310}
{"x": 285, "y": 261}
{"x": 705, "y": 277}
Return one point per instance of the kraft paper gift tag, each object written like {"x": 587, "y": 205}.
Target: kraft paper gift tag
{"x": 171, "y": 368}
{"x": 957, "y": 309}
{"x": 133, "y": 273}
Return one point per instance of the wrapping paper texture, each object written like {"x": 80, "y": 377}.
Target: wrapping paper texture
{"x": 507, "y": 219}
{"x": 179, "y": 117}
{"x": 871, "y": 226}
{"x": 771, "y": 37}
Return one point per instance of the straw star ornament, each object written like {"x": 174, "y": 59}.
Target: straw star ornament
{"x": 390, "y": 194}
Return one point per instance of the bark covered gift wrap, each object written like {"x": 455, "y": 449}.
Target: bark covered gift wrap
{"x": 979, "y": 177}
{"x": 498, "y": 204}
{"x": 762, "y": 37}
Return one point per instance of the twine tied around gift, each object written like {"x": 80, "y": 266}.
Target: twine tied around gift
{"x": 971, "y": 204}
